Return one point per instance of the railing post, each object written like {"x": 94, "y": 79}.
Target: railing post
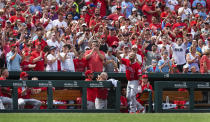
{"x": 49, "y": 97}
{"x": 15, "y": 97}
{"x": 118, "y": 94}
{"x": 84, "y": 97}
{"x": 191, "y": 99}
{"x": 158, "y": 97}
{"x": 150, "y": 102}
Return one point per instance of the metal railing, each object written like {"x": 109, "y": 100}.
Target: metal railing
{"x": 14, "y": 84}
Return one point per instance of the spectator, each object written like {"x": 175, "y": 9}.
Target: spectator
{"x": 153, "y": 68}
{"x": 205, "y": 62}
{"x": 149, "y": 10}
{"x": 149, "y": 55}
{"x": 127, "y": 7}
{"x": 193, "y": 59}
{"x": 101, "y": 93}
{"x": 66, "y": 57}
{"x": 207, "y": 45}
{"x": 125, "y": 54}
{"x": 95, "y": 56}
{"x": 110, "y": 62}
{"x": 13, "y": 59}
{"x": 38, "y": 57}
{"x": 165, "y": 64}
{"x": 114, "y": 16}
{"x": 138, "y": 57}
{"x": 24, "y": 94}
{"x": 52, "y": 60}
{"x": 5, "y": 95}
{"x": 80, "y": 63}
{"x": 184, "y": 11}
{"x": 35, "y": 7}
{"x": 178, "y": 50}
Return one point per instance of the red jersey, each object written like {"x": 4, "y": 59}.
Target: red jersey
{"x": 15, "y": 18}
{"x": 91, "y": 92}
{"x": 27, "y": 93}
{"x": 80, "y": 65}
{"x": 24, "y": 65}
{"x": 102, "y": 93}
{"x": 39, "y": 64}
{"x": 145, "y": 10}
{"x": 123, "y": 102}
{"x": 95, "y": 59}
{"x": 143, "y": 87}
{"x": 7, "y": 88}
{"x": 132, "y": 70}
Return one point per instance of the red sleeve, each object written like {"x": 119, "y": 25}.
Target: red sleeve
{"x": 45, "y": 24}
{"x": 124, "y": 61}
{"x": 146, "y": 9}
{"x": 19, "y": 92}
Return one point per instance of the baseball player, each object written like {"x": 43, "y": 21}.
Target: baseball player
{"x": 24, "y": 94}
{"x": 101, "y": 93}
{"x": 91, "y": 95}
{"x": 133, "y": 73}
{"x": 5, "y": 92}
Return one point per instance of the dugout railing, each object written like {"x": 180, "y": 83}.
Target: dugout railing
{"x": 50, "y": 84}
{"x": 190, "y": 86}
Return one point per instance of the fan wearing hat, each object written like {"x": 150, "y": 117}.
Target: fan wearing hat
{"x": 39, "y": 58}
{"x": 153, "y": 68}
{"x": 133, "y": 73}
{"x": 114, "y": 16}
{"x": 52, "y": 60}
{"x": 26, "y": 65}
{"x": 13, "y": 58}
{"x": 25, "y": 92}
{"x": 91, "y": 92}
{"x": 110, "y": 61}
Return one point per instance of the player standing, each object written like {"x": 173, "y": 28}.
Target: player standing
{"x": 133, "y": 73}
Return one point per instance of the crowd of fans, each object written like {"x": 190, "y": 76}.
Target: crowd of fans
{"x": 169, "y": 36}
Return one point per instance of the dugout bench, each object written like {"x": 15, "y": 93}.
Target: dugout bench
{"x": 51, "y": 94}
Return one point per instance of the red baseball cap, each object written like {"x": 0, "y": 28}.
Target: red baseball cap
{"x": 13, "y": 45}
{"x": 88, "y": 72}
{"x": 145, "y": 76}
{"x": 168, "y": 25}
{"x": 23, "y": 74}
{"x": 174, "y": 65}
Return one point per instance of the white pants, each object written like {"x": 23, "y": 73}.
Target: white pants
{"x": 35, "y": 103}
{"x": 100, "y": 104}
{"x": 90, "y": 105}
{"x": 7, "y": 102}
{"x": 132, "y": 90}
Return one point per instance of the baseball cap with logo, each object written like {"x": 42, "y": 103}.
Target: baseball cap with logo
{"x": 88, "y": 72}
{"x": 23, "y": 74}
{"x": 144, "y": 76}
